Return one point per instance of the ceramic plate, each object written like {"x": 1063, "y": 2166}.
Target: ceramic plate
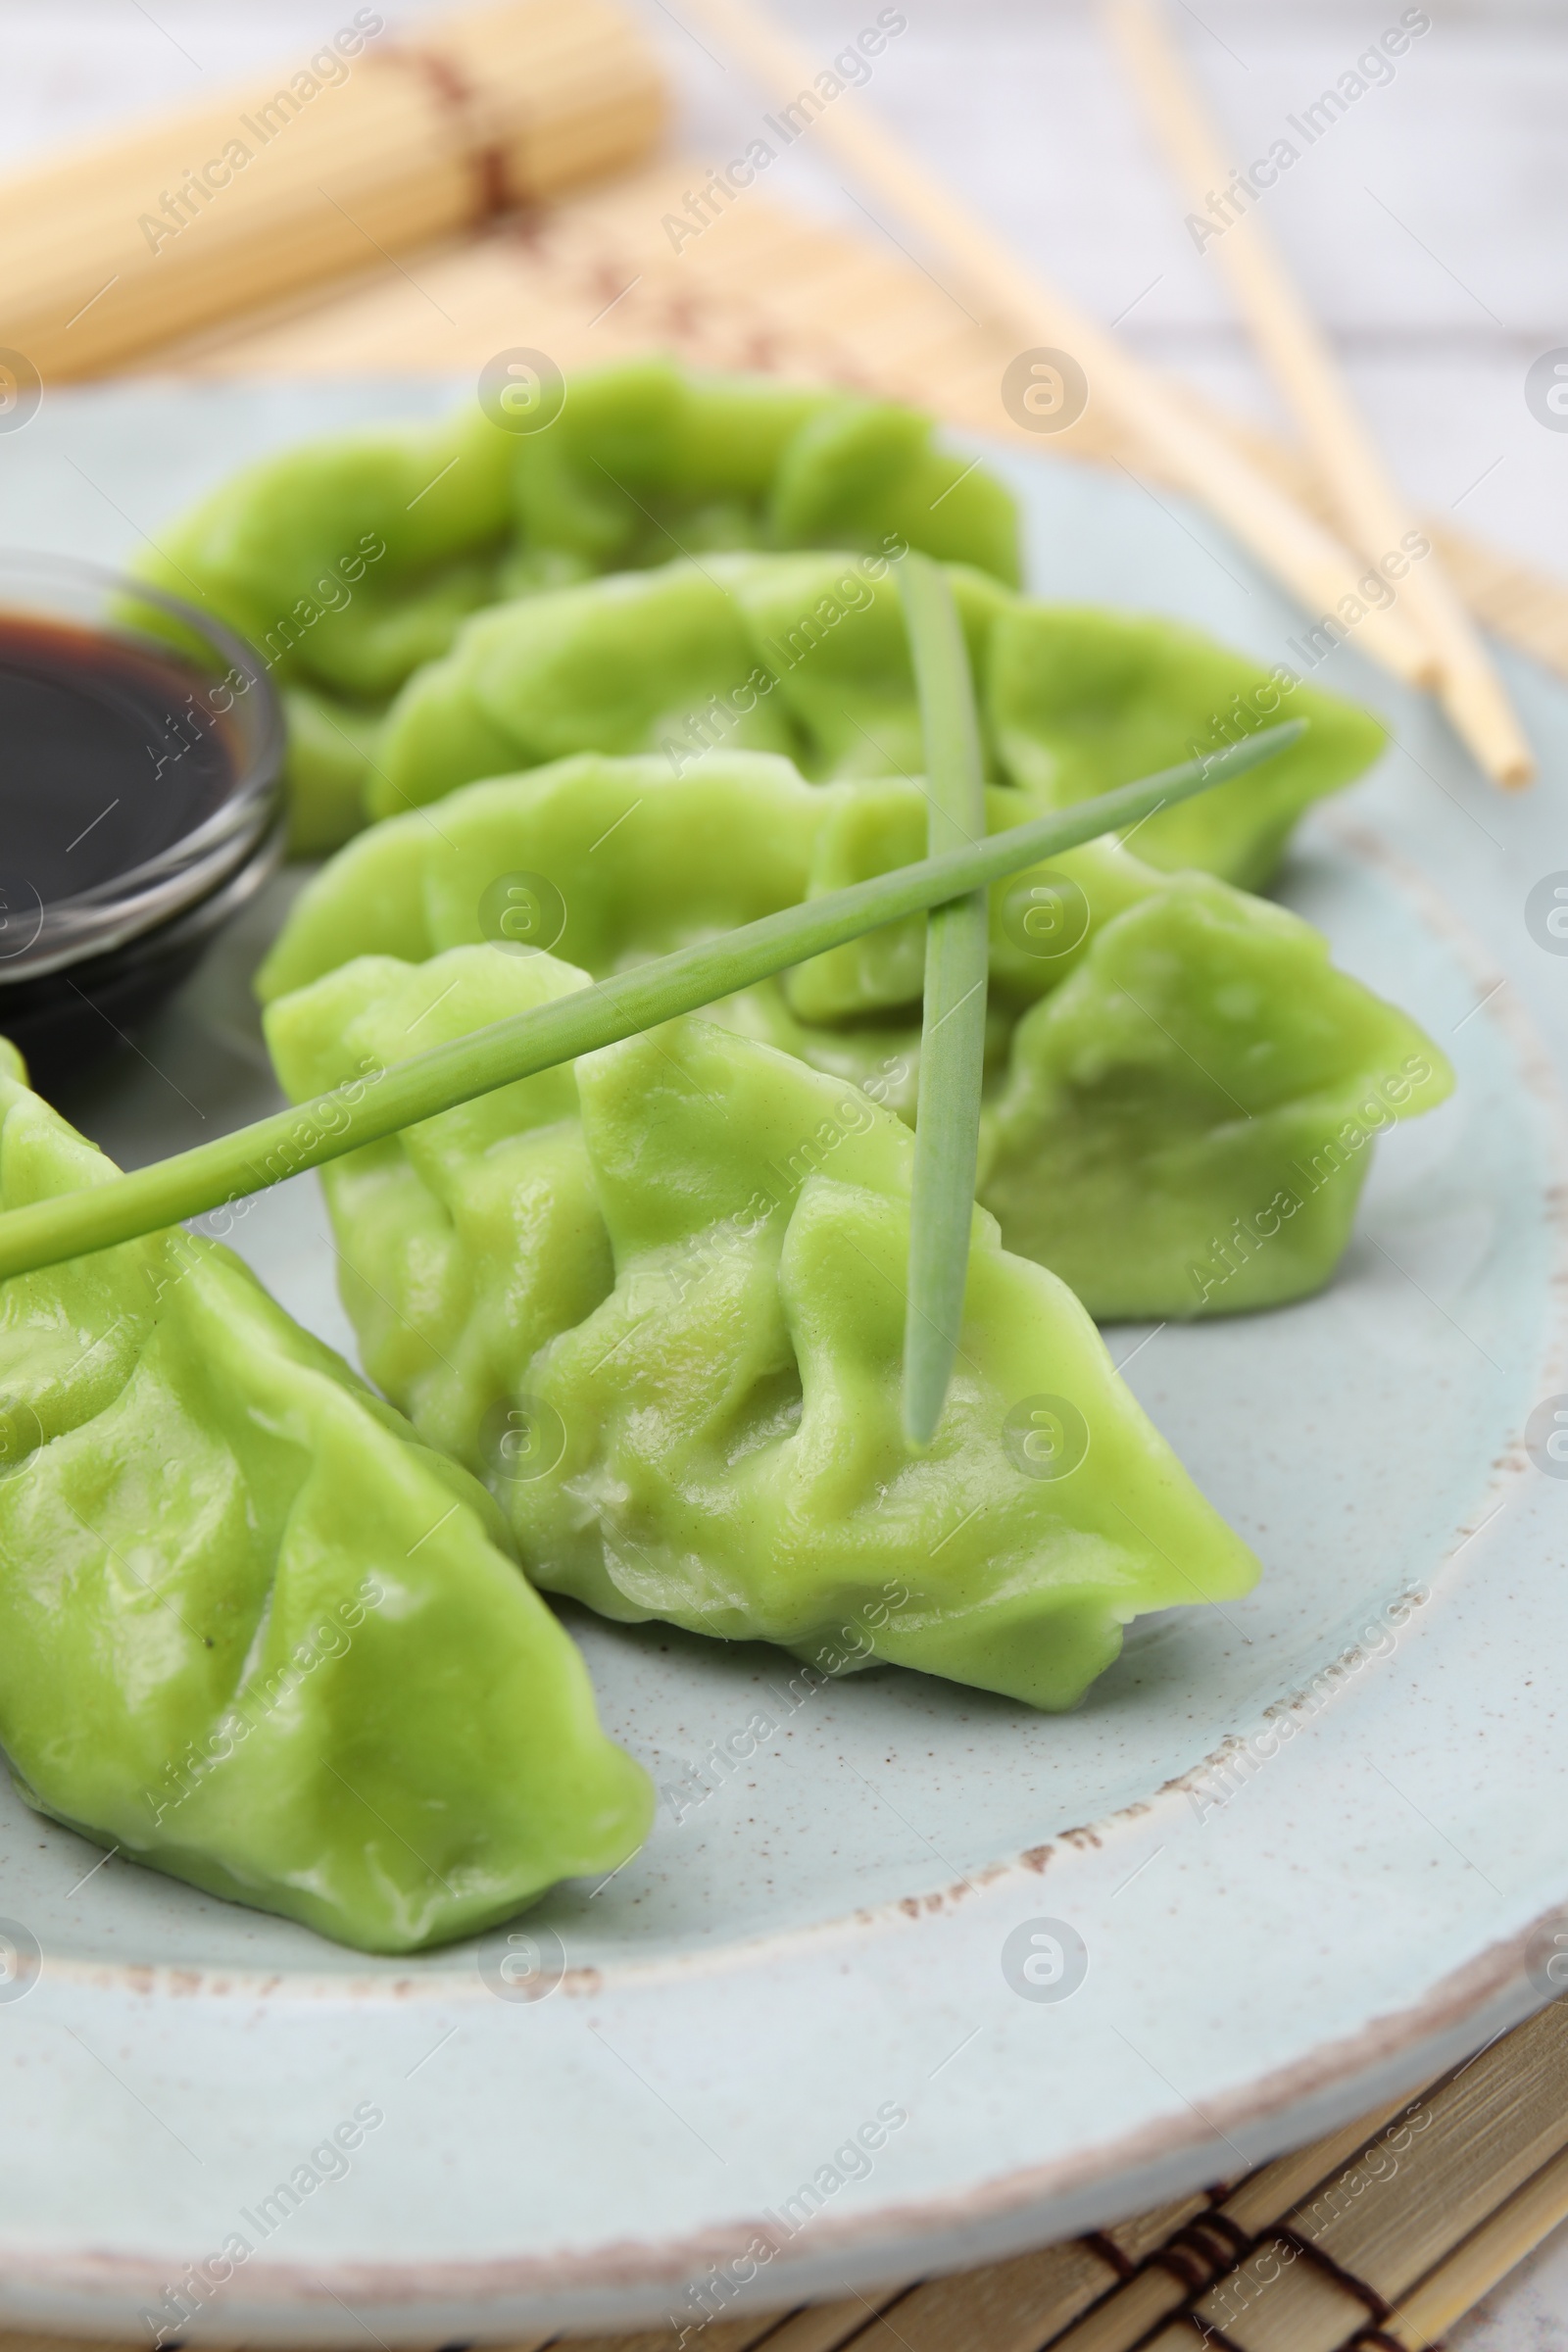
{"x": 928, "y": 1978}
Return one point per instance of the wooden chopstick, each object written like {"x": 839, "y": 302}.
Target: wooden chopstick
{"x": 1317, "y": 568}
{"x": 1367, "y": 503}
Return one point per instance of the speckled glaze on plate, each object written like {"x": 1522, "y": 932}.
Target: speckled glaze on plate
{"x": 926, "y": 1977}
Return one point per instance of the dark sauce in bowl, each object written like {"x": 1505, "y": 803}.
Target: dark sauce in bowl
{"x": 141, "y": 803}
{"x": 107, "y": 759}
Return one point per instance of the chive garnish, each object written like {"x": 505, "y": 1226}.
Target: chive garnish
{"x": 327, "y": 1125}
{"x": 953, "y": 1035}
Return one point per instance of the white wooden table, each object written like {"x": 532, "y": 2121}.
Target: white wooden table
{"x": 1427, "y": 228}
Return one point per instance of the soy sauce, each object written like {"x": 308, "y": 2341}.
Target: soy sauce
{"x": 108, "y": 757}
{"x": 112, "y": 756}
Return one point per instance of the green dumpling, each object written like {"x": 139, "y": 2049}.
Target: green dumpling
{"x": 808, "y": 655}
{"x": 641, "y": 861}
{"x": 1181, "y": 1090}
{"x": 611, "y": 665}
{"x": 348, "y": 562}
{"x": 352, "y": 560}
{"x": 649, "y": 460}
{"x": 252, "y": 1631}
{"x": 1187, "y": 1121}
{"x": 1080, "y": 701}
{"x": 331, "y": 744}
{"x": 657, "y": 1301}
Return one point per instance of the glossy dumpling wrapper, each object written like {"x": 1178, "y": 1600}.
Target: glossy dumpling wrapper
{"x": 640, "y": 862}
{"x": 351, "y": 561}
{"x": 253, "y": 1631}
{"x": 1074, "y": 700}
{"x": 640, "y": 661}
{"x": 807, "y": 655}
{"x": 1182, "y": 1091}
{"x": 1187, "y": 1123}
{"x": 647, "y": 458}
{"x": 1079, "y": 699}
{"x": 657, "y": 1300}
{"x": 332, "y": 746}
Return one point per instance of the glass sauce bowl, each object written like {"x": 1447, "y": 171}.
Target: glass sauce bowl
{"x": 141, "y": 801}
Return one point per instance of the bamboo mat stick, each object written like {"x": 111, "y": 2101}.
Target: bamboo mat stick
{"x": 820, "y": 2327}
{"x": 1263, "y": 2199}
{"x": 1332, "y": 2248}
{"x": 1008, "y": 2307}
{"x": 1299, "y": 551}
{"x": 368, "y": 145}
{"x": 1447, "y": 2293}
{"x": 1359, "y": 2242}
{"x": 716, "y": 2336}
{"x": 1492, "y": 2126}
{"x": 1367, "y": 503}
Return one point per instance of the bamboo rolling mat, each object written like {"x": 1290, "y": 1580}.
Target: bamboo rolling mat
{"x": 372, "y": 146}
{"x": 1384, "y": 2234}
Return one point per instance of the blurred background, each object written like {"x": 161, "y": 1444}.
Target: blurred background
{"x": 1426, "y": 226}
